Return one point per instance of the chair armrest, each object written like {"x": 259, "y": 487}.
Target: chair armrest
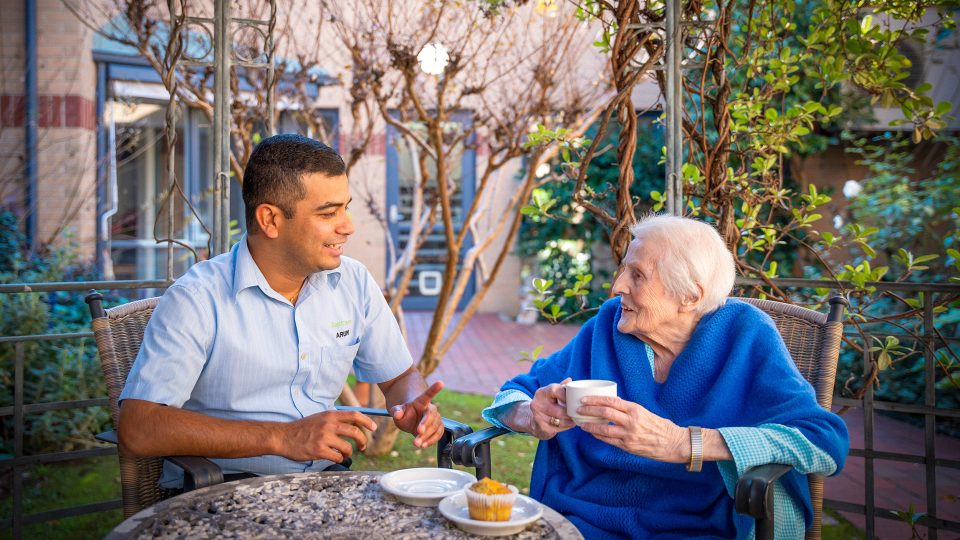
{"x": 452, "y": 430}
{"x": 754, "y": 493}
{"x": 754, "y": 496}
{"x": 198, "y": 472}
{"x": 457, "y": 429}
{"x": 473, "y": 450}
{"x": 108, "y": 437}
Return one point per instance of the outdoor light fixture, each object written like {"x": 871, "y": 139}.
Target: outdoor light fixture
{"x": 547, "y": 7}
{"x": 433, "y": 58}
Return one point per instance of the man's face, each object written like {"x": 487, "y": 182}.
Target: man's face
{"x": 645, "y": 303}
{"x": 320, "y": 225}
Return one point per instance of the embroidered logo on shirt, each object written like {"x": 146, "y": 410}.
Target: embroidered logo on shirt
{"x": 343, "y": 334}
{"x": 340, "y": 324}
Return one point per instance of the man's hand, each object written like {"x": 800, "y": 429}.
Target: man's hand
{"x": 420, "y": 417}
{"x": 325, "y": 436}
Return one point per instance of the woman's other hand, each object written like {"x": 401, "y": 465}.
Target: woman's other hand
{"x": 634, "y": 429}
{"x": 548, "y": 411}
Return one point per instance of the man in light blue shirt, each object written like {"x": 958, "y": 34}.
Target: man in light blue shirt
{"x": 247, "y": 352}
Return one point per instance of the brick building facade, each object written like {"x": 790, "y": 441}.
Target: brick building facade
{"x": 64, "y": 192}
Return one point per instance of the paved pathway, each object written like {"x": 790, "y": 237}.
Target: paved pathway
{"x": 487, "y": 351}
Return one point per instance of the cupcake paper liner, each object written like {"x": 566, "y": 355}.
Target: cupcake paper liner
{"x": 490, "y": 507}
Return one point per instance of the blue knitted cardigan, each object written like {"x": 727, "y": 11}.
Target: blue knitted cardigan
{"x": 735, "y": 371}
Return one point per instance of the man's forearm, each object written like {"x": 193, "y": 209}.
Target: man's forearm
{"x": 405, "y": 387}
{"x": 149, "y": 430}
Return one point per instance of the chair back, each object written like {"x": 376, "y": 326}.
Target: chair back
{"x": 813, "y": 340}
{"x": 119, "y": 332}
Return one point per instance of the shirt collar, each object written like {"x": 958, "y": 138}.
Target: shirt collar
{"x": 247, "y": 274}
{"x": 332, "y": 277}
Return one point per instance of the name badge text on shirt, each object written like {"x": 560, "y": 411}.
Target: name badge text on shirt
{"x": 341, "y": 324}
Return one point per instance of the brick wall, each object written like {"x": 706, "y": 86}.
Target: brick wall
{"x": 66, "y": 136}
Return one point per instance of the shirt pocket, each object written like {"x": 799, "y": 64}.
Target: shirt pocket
{"x": 328, "y": 377}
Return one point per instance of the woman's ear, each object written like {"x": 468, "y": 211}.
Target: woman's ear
{"x": 690, "y": 303}
{"x": 269, "y": 218}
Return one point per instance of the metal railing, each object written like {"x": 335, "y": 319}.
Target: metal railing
{"x": 219, "y": 31}
{"x": 19, "y": 463}
{"x": 928, "y": 338}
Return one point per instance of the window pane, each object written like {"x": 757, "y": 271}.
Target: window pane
{"x": 432, "y": 254}
{"x": 141, "y": 171}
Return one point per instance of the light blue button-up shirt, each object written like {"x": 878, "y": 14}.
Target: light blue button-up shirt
{"x": 222, "y": 342}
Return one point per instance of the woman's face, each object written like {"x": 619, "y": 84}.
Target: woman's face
{"x": 645, "y": 303}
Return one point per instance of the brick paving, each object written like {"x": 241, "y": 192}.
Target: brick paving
{"x": 897, "y": 484}
{"x": 487, "y": 351}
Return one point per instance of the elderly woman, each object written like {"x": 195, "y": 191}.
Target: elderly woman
{"x": 702, "y": 379}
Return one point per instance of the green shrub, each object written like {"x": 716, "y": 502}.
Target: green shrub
{"x": 566, "y": 242}
{"x": 57, "y": 370}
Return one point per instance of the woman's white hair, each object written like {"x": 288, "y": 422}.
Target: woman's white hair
{"x": 693, "y": 253}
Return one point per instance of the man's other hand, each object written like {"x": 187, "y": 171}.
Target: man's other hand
{"x": 325, "y": 435}
{"x": 420, "y": 417}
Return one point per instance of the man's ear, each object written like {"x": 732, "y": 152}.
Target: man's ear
{"x": 269, "y": 218}
{"x": 690, "y": 303}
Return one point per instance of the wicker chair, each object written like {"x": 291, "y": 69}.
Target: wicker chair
{"x": 813, "y": 340}
{"x": 119, "y": 332}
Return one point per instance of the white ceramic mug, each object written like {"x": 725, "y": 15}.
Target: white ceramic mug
{"x": 589, "y": 387}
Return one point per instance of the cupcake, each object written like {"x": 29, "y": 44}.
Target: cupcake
{"x": 489, "y": 500}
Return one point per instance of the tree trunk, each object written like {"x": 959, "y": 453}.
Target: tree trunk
{"x": 430, "y": 359}
{"x": 380, "y": 442}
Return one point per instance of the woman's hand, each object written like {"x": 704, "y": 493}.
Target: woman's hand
{"x": 548, "y": 411}
{"x": 634, "y": 429}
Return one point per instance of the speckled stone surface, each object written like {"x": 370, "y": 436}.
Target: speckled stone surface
{"x": 306, "y": 506}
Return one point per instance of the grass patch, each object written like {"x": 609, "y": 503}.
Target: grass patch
{"x": 62, "y": 485}
{"x": 512, "y": 456}
{"x": 842, "y": 529}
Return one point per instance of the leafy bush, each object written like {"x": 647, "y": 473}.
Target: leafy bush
{"x": 57, "y": 370}
{"x": 562, "y": 243}
{"x": 908, "y": 200}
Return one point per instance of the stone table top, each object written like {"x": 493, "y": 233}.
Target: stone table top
{"x": 340, "y": 505}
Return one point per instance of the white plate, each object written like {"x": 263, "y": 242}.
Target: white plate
{"x": 424, "y": 486}
{"x": 525, "y": 512}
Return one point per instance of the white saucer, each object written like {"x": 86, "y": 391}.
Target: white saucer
{"x": 525, "y": 512}
{"x": 424, "y": 486}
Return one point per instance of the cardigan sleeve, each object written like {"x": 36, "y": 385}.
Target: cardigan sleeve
{"x": 774, "y": 443}
{"x": 502, "y": 403}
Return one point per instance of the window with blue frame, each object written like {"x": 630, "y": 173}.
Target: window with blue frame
{"x": 402, "y": 184}
{"x": 132, "y": 204}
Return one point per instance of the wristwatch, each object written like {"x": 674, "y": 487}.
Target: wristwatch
{"x": 696, "y": 449}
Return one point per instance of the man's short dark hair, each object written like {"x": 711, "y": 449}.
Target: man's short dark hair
{"x": 275, "y": 171}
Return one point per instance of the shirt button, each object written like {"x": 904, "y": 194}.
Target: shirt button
{"x": 303, "y": 356}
